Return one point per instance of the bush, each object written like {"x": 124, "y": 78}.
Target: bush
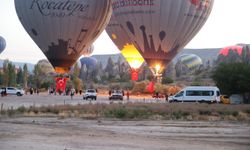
{"x": 117, "y": 113}
{"x": 139, "y": 87}
{"x": 21, "y": 109}
{"x": 205, "y": 112}
{"x": 167, "y": 80}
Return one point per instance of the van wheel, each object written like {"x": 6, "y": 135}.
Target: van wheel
{"x": 202, "y": 101}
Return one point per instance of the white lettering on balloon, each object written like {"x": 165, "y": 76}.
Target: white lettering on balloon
{"x": 127, "y": 3}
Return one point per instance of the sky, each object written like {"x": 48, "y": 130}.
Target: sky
{"x": 228, "y": 24}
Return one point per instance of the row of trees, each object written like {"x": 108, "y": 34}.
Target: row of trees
{"x": 13, "y": 76}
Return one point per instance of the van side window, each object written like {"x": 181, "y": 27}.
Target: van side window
{"x": 179, "y": 94}
{"x": 199, "y": 93}
{"x": 207, "y": 93}
{"x": 193, "y": 93}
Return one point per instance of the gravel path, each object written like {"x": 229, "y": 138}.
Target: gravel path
{"x": 77, "y": 134}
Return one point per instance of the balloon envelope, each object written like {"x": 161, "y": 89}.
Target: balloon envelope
{"x": 237, "y": 53}
{"x": 45, "y": 66}
{"x": 124, "y": 44}
{"x": 63, "y": 28}
{"x": 2, "y": 44}
{"x": 190, "y": 60}
{"x": 160, "y": 28}
{"x": 237, "y": 49}
{"x": 187, "y": 63}
{"x": 132, "y": 56}
{"x": 89, "y": 62}
{"x": 117, "y": 34}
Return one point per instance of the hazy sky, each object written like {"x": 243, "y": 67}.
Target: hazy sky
{"x": 228, "y": 24}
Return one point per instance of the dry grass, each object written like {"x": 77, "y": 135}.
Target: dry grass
{"x": 176, "y": 111}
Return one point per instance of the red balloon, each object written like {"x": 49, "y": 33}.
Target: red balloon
{"x": 225, "y": 51}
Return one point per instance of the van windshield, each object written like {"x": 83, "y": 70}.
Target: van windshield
{"x": 179, "y": 94}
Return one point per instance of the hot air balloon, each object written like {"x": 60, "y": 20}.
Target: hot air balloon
{"x": 89, "y": 62}
{"x": 88, "y": 66}
{"x": 234, "y": 49}
{"x": 187, "y": 63}
{"x": 236, "y": 53}
{"x": 160, "y": 28}
{"x": 124, "y": 44}
{"x": 45, "y": 66}
{"x": 2, "y": 44}
{"x": 63, "y": 28}
{"x": 88, "y": 51}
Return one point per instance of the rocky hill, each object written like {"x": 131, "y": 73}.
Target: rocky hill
{"x": 205, "y": 54}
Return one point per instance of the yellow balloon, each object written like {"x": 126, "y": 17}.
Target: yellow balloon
{"x": 132, "y": 56}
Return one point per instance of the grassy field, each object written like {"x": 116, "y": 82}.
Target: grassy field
{"x": 139, "y": 111}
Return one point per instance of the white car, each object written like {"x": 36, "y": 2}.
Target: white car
{"x": 12, "y": 91}
{"x": 90, "y": 93}
{"x": 116, "y": 94}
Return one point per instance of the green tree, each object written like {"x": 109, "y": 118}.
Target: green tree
{"x": 1, "y": 78}
{"x": 37, "y": 78}
{"x": 5, "y": 73}
{"x": 167, "y": 80}
{"x": 11, "y": 74}
{"x": 19, "y": 78}
{"x": 233, "y": 78}
{"x": 25, "y": 76}
{"x": 77, "y": 82}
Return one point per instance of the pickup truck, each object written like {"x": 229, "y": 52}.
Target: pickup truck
{"x": 11, "y": 91}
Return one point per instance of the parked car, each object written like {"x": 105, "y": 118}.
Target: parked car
{"x": 224, "y": 99}
{"x": 116, "y": 94}
{"x": 11, "y": 91}
{"x": 90, "y": 93}
{"x": 236, "y": 99}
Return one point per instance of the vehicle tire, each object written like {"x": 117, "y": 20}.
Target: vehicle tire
{"x": 202, "y": 101}
{"x": 18, "y": 94}
{"x": 95, "y": 98}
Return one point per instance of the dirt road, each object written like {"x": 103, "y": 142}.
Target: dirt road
{"x": 78, "y": 134}
{"x": 43, "y": 99}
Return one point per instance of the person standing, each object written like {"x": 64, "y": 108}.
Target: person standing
{"x": 72, "y": 92}
{"x": 166, "y": 97}
{"x": 127, "y": 94}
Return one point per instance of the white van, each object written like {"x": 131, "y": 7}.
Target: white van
{"x": 208, "y": 94}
